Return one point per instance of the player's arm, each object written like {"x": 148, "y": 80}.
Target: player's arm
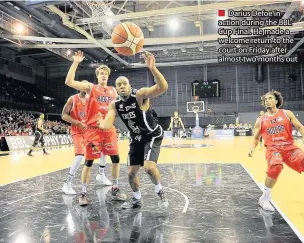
{"x": 65, "y": 115}
{"x": 70, "y": 78}
{"x": 295, "y": 122}
{"x": 39, "y": 125}
{"x": 161, "y": 84}
{"x": 170, "y": 126}
{"x": 256, "y": 137}
{"x": 109, "y": 120}
{"x": 180, "y": 120}
{"x": 115, "y": 92}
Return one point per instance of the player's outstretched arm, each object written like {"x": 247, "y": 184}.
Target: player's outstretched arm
{"x": 65, "y": 115}
{"x": 161, "y": 85}
{"x": 256, "y": 137}
{"x": 295, "y": 122}
{"x": 109, "y": 120}
{"x": 70, "y": 78}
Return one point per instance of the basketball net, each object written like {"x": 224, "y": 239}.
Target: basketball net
{"x": 195, "y": 111}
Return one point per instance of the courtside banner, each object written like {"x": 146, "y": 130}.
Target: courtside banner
{"x": 242, "y": 132}
{"x": 25, "y": 142}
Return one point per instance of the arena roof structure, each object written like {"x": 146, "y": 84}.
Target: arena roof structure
{"x": 176, "y": 32}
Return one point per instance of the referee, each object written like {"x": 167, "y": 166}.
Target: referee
{"x": 39, "y": 130}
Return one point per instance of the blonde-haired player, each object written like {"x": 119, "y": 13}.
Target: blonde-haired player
{"x": 96, "y": 140}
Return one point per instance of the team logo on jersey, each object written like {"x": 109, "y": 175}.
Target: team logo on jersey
{"x": 82, "y": 114}
{"x": 278, "y": 119}
{"x": 102, "y": 98}
{"x": 132, "y": 106}
{"x": 120, "y": 107}
{"x": 275, "y": 130}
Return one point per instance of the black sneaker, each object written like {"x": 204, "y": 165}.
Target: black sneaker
{"x": 117, "y": 195}
{"x": 131, "y": 203}
{"x": 83, "y": 201}
{"x": 163, "y": 200}
{"x": 29, "y": 154}
{"x": 45, "y": 153}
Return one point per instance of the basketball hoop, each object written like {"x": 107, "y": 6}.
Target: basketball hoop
{"x": 195, "y": 110}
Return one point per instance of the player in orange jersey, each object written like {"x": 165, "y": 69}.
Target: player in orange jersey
{"x": 96, "y": 140}
{"x": 74, "y": 113}
{"x": 276, "y": 129}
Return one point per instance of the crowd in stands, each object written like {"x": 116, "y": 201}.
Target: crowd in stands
{"x": 27, "y": 96}
{"x": 22, "y": 123}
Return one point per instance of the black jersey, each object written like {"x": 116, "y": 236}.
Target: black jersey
{"x": 36, "y": 126}
{"x": 176, "y": 123}
{"x": 137, "y": 121}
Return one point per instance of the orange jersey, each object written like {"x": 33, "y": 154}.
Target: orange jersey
{"x": 78, "y": 112}
{"x": 99, "y": 101}
{"x": 276, "y": 130}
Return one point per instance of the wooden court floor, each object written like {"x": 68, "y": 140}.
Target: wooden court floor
{"x": 288, "y": 193}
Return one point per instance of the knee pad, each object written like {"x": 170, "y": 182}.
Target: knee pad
{"x": 89, "y": 163}
{"x": 115, "y": 159}
{"x": 274, "y": 171}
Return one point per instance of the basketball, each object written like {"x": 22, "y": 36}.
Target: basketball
{"x": 127, "y": 39}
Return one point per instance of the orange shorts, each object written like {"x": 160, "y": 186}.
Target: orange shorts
{"x": 97, "y": 141}
{"x": 291, "y": 155}
{"x": 78, "y": 140}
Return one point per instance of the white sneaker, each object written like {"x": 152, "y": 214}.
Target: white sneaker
{"x": 103, "y": 180}
{"x": 265, "y": 204}
{"x": 67, "y": 189}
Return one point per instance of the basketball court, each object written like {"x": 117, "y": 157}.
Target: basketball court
{"x": 213, "y": 193}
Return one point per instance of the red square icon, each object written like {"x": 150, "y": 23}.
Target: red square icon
{"x": 221, "y": 13}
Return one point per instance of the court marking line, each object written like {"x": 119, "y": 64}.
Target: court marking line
{"x": 35, "y": 194}
{"x": 291, "y": 225}
{"x": 82, "y": 163}
{"x": 186, "y": 198}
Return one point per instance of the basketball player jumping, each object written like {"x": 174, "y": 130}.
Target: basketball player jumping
{"x": 175, "y": 124}
{"x": 276, "y": 129}
{"x": 96, "y": 140}
{"x": 133, "y": 107}
{"x": 74, "y": 113}
{"x": 39, "y": 130}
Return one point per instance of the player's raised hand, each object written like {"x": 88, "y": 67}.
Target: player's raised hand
{"x": 149, "y": 59}
{"x": 78, "y": 57}
{"x": 100, "y": 121}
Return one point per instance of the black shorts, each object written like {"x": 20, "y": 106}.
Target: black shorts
{"x": 261, "y": 139}
{"x": 175, "y": 132}
{"x": 147, "y": 147}
{"x": 39, "y": 138}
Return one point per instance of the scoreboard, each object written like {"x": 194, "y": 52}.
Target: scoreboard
{"x": 206, "y": 89}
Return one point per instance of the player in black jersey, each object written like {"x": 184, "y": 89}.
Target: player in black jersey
{"x": 39, "y": 130}
{"x": 176, "y": 124}
{"x": 146, "y": 135}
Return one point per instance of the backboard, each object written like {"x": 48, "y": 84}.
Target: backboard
{"x": 195, "y": 106}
